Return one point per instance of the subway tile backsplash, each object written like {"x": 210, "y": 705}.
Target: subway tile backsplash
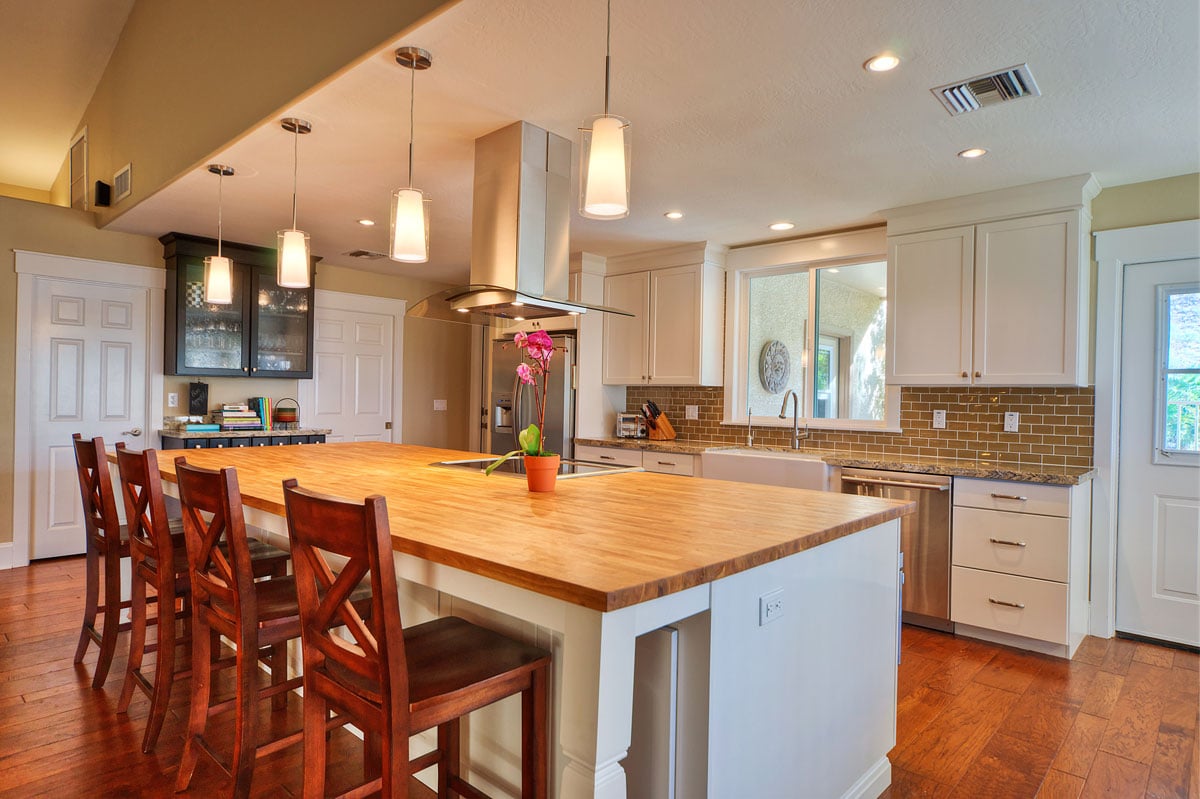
{"x": 1055, "y": 427}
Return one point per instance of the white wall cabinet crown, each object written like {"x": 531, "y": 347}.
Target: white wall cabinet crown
{"x": 676, "y": 336}
{"x": 1002, "y": 301}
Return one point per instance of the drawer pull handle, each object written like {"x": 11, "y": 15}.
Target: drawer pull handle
{"x": 1017, "y": 497}
{"x": 1007, "y": 543}
{"x": 607, "y": 458}
{"x": 1017, "y": 605}
{"x": 667, "y": 463}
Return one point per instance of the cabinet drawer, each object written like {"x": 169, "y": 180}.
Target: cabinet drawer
{"x": 609, "y": 455}
{"x": 668, "y": 463}
{"x": 1013, "y": 543}
{"x": 1048, "y": 500}
{"x": 975, "y": 596}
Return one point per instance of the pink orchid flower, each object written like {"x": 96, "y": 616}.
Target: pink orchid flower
{"x": 525, "y": 373}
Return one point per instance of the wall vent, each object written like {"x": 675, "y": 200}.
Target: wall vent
{"x": 366, "y": 255}
{"x": 964, "y": 96}
{"x": 122, "y": 183}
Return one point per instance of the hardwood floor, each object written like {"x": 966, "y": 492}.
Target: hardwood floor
{"x": 59, "y": 738}
{"x": 974, "y": 720}
{"x": 988, "y": 722}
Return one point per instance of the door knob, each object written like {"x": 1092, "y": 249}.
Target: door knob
{"x": 135, "y": 432}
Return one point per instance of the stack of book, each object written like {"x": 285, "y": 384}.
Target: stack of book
{"x": 237, "y": 417}
{"x": 262, "y": 406}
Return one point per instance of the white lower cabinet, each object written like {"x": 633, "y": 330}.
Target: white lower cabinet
{"x": 1020, "y": 555}
{"x": 662, "y": 462}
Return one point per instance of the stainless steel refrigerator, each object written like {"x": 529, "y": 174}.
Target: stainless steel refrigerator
{"x": 512, "y": 406}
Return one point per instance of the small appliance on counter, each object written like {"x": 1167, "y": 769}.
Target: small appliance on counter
{"x": 631, "y": 425}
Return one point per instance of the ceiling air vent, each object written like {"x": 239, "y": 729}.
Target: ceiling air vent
{"x": 366, "y": 255}
{"x": 122, "y": 183}
{"x": 972, "y": 94}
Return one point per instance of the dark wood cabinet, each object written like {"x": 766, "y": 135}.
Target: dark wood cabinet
{"x": 265, "y": 332}
{"x": 266, "y": 439}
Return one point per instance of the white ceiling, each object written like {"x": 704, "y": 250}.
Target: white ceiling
{"x": 59, "y": 48}
{"x": 742, "y": 114}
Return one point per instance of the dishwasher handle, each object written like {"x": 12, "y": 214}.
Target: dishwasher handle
{"x": 897, "y": 483}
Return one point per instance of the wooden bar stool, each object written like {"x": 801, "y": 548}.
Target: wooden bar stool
{"x": 393, "y": 682}
{"x": 226, "y": 600}
{"x": 152, "y": 544}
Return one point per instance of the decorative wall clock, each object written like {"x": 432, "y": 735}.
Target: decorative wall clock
{"x": 774, "y": 366}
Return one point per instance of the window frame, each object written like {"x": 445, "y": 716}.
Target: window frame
{"x": 800, "y": 255}
{"x": 1160, "y": 455}
{"x": 80, "y": 138}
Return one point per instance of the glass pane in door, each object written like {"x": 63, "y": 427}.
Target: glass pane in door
{"x": 282, "y": 326}
{"x": 1180, "y": 379}
{"x": 214, "y": 335}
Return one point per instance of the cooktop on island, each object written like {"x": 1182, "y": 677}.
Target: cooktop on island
{"x": 516, "y": 466}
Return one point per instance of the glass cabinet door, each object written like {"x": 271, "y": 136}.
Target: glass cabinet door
{"x": 214, "y": 336}
{"x": 282, "y": 325}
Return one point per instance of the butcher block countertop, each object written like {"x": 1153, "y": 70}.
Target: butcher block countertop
{"x": 603, "y": 542}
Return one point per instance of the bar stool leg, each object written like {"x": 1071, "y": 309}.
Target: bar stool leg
{"x": 91, "y": 599}
{"x": 164, "y": 674}
{"x": 534, "y": 734}
{"x": 137, "y": 639}
{"x": 245, "y": 736}
{"x": 202, "y": 647}
{"x": 316, "y": 743}
{"x": 112, "y": 617}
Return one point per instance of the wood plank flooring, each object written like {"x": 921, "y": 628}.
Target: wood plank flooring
{"x": 980, "y": 721}
{"x": 974, "y": 720}
{"x": 59, "y": 738}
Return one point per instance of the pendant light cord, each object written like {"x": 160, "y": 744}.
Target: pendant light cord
{"x": 220, "y": 187}
{"x": 295, "y": 169}
{"x": 607, "y": 52}
{"x": 412, "y": 101}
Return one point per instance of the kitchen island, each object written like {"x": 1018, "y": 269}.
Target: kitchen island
{"x": 785, "y": 602}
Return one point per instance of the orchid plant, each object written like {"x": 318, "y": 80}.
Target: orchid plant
{"x": 539, "y": 348}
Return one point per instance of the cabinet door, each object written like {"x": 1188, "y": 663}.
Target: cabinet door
{"x": 1027, "y": 293}
{"x": 208, "y": 339}
{"x": 930, "y": 285}
{"x": 674, "y": 333}
{"x": 625, "y": 336}
{"x": 282, "y": 341}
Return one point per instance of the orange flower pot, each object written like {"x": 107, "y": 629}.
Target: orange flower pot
{"x": 541, "y": 472}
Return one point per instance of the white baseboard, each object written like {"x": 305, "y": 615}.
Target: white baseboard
{"x": 6, "y": 556}
{"x": 874, "y": 782}
{"x": 1016, "y": 641}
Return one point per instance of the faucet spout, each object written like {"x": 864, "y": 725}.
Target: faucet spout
{"x": 791, "y": 393}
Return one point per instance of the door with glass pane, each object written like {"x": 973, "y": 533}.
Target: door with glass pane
{"x": 1158, "y": 524}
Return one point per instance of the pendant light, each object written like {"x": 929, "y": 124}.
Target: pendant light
{"x": 218, "y": 270}
{"x": 604, "y": 154}
{"x": 292, "y": 267}
{"x": 410, "y": 206}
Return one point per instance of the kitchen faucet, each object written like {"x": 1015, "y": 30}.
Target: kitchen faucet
{"x": 795, "y": 417}
{"x": 749, "y": 427}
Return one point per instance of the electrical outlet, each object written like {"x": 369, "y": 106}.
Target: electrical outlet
{"x": 439, "y": 405}
{"x": 172, "y": 400}
{"x": 770, "y": 606}
{"x": 1011, "y": 420}
{"x": 691, "y": 411}
{"x": 939, "y": 420}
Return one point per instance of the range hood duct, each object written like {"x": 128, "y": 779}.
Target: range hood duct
{"x": 521, "y": 214}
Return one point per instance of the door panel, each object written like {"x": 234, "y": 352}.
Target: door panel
{"x": 1158, "y": 495}
{"x": 352, "y": 374}
{"x": 89, "y": 377}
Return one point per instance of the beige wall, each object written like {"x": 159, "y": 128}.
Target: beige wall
{"x": 24, "y": 193}
{"x": 1149, "y": 203}
{"x": 175, "y": 90}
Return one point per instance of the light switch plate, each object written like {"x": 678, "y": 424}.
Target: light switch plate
{"x": 1011, "y": 420}
{"x": 173, "y": 400}
{"x": 939, "y": 420}
{"x": 439, "y": 405}
{"x": 691, "y": 411}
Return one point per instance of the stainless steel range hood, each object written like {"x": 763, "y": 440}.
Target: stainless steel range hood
{"x": 521, "y": 214}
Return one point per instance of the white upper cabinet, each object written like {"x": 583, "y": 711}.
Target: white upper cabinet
{"x": 677, "y": 335}
{"x": 1000, "y": 302}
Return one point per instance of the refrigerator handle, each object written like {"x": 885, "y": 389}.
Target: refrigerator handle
{"x": 518, "y": 425}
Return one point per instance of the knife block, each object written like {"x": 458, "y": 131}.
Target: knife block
{"x": 662, "y": 430}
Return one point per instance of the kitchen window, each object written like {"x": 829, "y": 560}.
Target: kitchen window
{"x": 817, "y": 328}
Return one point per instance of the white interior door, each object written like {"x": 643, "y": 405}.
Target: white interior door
{"x": 354, "y": 368}
{"x": 1158, "y": 519}
{"x": 89, "y": 376}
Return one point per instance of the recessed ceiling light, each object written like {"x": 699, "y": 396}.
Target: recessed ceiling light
{"x": 884, "y": 62}
{"x": 972, "y": 152}
{"x": 781, "y": 225}
{"x": 832, "y": 271}
{"x": 366, "y": 222}
{"x": 674, "y": 214}
{"x": 462, "y": 310}
{"x": 518, "y": 318}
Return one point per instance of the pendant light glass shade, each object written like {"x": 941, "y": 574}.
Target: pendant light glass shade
{"x": 604, "y": 168}
{"x": 218, "y": 280}
{"x": 292, "y": 266}
{"x": 410, "y": 226}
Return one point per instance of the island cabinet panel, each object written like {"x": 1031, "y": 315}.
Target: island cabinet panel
{"x": 650, "y": 460}
{"x": 1020, "y": 563}
{"x": 266, "y": 331}
{"x": 1001, "y": 303}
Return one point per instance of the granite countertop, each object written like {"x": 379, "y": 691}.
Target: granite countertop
{"x": 1017, "y": 471}
{"x": 303, "y": 431}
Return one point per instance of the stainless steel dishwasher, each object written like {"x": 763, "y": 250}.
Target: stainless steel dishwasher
{"x": 924, "y": 538}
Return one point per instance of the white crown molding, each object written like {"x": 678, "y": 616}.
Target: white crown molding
{"x": 679, "y": 255}
{"x": 67, "y": 267}
{"x": 870, "y": 243}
